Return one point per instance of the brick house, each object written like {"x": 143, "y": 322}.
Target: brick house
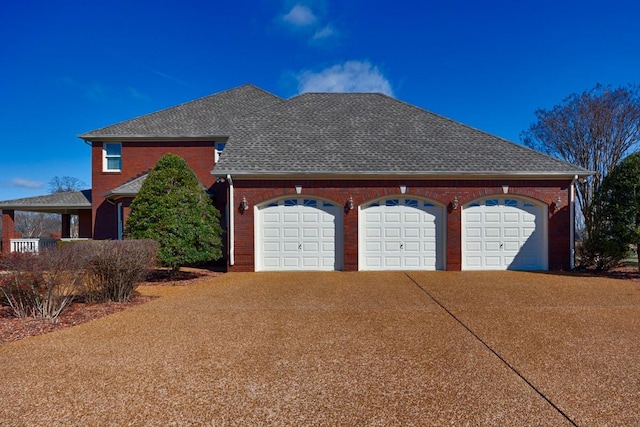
{"x": 345, "y": 181}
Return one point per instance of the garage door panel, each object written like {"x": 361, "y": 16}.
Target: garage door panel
{"x": 511, "y": 217}
{"x": 392, "y": 262}
{"x": 511, "y": 232}
{"x": 272, "y": 262}
{"x": 475, "y": 246}
{"x": 474, "y": 232}
{"x": 375, "y": 246}
{"x": 392, "y": 218}
{"x": 490, "y": 217}
{"x": 412, "y": 262}
{"x": 503, "y": 234}
{"x": 290, "y": 233}
{"x": 271, "y": 218}
{"x": 308, "y": 232}
{"x": 272, "y": 246}
{"x": 298, "y": 234}
{"x": 490, "y": 232}
{"x": 474, "y": 218}
{"x": 411, "y": 232}
{"x": 512, "y": 246}
{"x": 290, "y": 247}
{"x": 392, "y": 246}
{"x": 412, "y": 246}
{"x": 401, "y": 233}
{"x": 392, "y": 232}
{"x": 291, "y": 262}
{"x": 492, "y": 246}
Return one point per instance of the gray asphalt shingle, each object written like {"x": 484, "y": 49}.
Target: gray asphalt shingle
{"x": 63, "y": 202}
{"x": 368, "y": 133}
{"x": 207, "y": 116}
{"x": 335, "y": 134}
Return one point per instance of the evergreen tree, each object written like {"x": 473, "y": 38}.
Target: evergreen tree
{"x": 616, "y": 211}
{"x": 174, "y": 209}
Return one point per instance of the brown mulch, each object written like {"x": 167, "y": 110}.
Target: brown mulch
{"x": 13, "y": 328}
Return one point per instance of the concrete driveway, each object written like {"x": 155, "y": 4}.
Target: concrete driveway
{"x": 352, "y": 349}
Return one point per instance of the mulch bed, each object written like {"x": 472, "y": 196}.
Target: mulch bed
{"x": 13, "y": 328}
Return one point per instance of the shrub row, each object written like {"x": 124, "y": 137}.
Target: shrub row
{"x": 44, "y": 285}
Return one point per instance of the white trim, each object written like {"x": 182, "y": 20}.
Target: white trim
{"x": 231, "y": 228}
{"x": 572, "y": 229}
{"x": 105, "y": 157}
{"x": 417, "y": 176}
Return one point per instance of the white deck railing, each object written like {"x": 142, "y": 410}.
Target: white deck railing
{"x": 32, "y": 245}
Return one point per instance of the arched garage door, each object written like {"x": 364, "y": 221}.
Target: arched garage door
{"x": 298, "y": 234}
{"x": 503, "y": 233}
{"x": 401, "y": 234}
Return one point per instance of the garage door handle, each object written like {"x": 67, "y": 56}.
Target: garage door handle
{"x": 501, "y": 245}
{"x": 300, "y": 246}
{"x": 401, "y": 246}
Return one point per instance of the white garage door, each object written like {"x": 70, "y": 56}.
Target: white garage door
{"x": 299, "y": 234}
{"x": 401, "y": 234}
{"x": 504, "y": 234}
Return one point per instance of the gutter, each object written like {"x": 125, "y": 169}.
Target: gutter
{"x": 572, "y": 230}
{"x": 232, "y": 246}
{"x": 257, "y": 175}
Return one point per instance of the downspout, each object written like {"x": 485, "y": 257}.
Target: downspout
{"x": 572, "y": 230}
{"x": 232, "y": 245}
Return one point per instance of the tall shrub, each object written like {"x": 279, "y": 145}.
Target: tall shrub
{"x": 174, "y": 209}
{"x": 116, "y": 268}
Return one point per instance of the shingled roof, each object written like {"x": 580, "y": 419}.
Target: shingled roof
{"x": 205, "y": 117}
{"x": 67, "y": 202}
{"x": 363, "y": 134}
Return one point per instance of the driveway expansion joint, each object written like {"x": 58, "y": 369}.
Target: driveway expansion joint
{"x": 495, "y": 353}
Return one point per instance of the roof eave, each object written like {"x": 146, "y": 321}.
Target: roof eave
{"x": 253, "y": 175}
{"x": 154, "y": 138}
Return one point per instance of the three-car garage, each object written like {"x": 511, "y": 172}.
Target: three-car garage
{"x": 401, "y": 233}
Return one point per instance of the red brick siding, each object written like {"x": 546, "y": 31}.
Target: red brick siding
{"x": 139, "y": 158}
{"x": 440, "y": 191}
{"x": 8, "y": 229}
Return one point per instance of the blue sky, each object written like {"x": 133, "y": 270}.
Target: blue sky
{"x": 68, "y": 67}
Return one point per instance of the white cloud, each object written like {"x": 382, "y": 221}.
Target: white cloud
{"x": 26, "y": 183}
{"x": 300, "y": 16}
{"x": 325, "y": 33}
{"x": 352, "y": 76}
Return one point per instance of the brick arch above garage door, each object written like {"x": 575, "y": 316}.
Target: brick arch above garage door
{"x": 298, "y": 232}
{"x": 504, "y": 232}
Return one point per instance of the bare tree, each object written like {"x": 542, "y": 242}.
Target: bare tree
{"x": 66, "y": 183}
{"x": 37, "y": 224}
{"x": 595, "y": 130}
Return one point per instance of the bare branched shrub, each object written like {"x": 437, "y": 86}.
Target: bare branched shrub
{"x": 63, "y": 270}
{"x": 42, "y": 285}
{"x": 19, "y": 284}
{"x": 117, "y": 267}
